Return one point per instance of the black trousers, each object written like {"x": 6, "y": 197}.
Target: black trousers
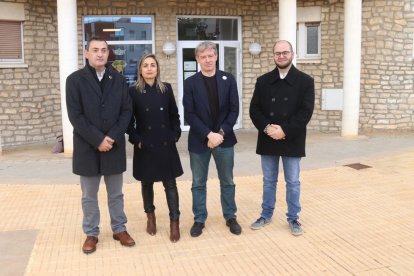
{"x": 171, "y": 193}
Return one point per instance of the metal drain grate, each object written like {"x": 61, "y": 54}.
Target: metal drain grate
{"x": 358, "y": 166}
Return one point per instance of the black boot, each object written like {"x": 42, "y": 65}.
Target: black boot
{"x": 174, "y": 230}
{"x": 171, "y": 193}
{"x": 151, "y": 224}
{"x": 147, "y": 190}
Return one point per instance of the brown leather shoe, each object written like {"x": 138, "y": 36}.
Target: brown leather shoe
{"x": 151, "y": 224}
{"x": 174, "y": 230}
{"x": 124, "y": 238}
{"x": 89, "y": 246}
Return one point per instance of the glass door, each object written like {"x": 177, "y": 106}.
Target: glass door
{"x": 187, "y": 65}
{"x": 230, "y": 62}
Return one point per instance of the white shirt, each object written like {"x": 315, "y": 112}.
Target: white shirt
{"x": 282, "y": 75}
{"x": 100, "y": 76}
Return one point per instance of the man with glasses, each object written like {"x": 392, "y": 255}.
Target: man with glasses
{"x": 281, "y": 107}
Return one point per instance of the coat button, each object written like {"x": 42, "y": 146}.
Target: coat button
{"x": 165, "y": 143}
{"x": 147, "y": 109}
{"x": 273, "y": 99}
{"x": 272, "y": 114}
{"x": 162, "y": 126}
{"x": 102, "y": 105}
{"x": 161, "y": 108}
{"x": 284, "y": 114}
{"x": 285, "y": 98}
{"x": 149, "y": 127}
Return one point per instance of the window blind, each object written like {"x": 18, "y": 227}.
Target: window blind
{"x": 10, "y": 40}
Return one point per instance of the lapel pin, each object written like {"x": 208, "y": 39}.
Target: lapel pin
{"x": 224, "y": 78}
{"x": 110, "y": 77}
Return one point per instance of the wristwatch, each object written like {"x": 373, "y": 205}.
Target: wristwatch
{"x": 221, "y": 132}
{"x": 265, "y": 129}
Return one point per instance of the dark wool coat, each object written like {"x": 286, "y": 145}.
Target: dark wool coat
{"x": 197, "y": 110}
{"x": 287, "y": 102}
{"x": 156, "y": 125}
{"x": 94, "y": 114}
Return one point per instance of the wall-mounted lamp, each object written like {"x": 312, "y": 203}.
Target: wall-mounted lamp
{"x": 255, "y": 49}
{"x": 168, "y": 49}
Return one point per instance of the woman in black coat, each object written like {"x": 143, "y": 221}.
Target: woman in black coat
{"x": 154, "y": 131}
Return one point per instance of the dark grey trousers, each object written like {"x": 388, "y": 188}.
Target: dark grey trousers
{"x": 91, "y": 214}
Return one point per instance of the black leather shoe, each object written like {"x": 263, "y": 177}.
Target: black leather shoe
{"x": 235, "y": 228}
{"x": 196, "y": 229}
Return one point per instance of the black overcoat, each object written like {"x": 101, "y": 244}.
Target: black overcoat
{"x": 94, "y": 114}
{"x": 287, "y": 102}
{"x": 156, "y": 125}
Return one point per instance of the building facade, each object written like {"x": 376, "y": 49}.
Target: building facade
{"x": 30, "y": 88}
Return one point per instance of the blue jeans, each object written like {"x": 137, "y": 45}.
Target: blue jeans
{"x": 199, "y": 162}
{"x": 291, "y": 169}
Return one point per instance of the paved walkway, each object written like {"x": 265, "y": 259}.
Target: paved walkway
{"x": 356, "y": 222}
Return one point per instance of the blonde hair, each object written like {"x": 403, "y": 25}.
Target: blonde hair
{"x": 140, "y": 84}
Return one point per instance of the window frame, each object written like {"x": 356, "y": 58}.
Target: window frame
{"x": 183, "y": 16}
{"x": 13, "y": 62}
{"x": 126, "y": 43}
{"x": 118, "y": 42}
{"x": 302, "y": 40}
{"x": 14, "y": 12}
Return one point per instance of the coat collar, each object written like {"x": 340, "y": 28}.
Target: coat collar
{"x": 221, "y": 79}
{"x": 290, "y": 77}
{"x": 87, "y": 73}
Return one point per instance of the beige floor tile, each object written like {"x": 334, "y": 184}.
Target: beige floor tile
{"x": 356, "y": 222}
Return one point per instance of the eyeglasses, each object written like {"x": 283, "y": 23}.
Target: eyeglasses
{"x": 284, "y": 53}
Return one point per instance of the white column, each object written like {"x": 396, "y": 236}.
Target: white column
{"x": 68, "y": 59}
{"x": 352, "y": 67}
{"x": 287, "y": 22}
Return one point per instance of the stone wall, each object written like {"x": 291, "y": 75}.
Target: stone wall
{"x": 30, "y": 97}
{"x": 329, "y": 72}
{"x": 387, "y": 73}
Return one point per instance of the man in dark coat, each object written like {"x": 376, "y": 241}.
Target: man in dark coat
{"x": 211, "y": 108}
{"x": 99, "y": 108}
{"x": 281, "y": 107}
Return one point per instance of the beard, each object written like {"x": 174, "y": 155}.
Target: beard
{"x": 284, "y": 65}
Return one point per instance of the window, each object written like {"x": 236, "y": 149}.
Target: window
{"x": 11, "y": 34}
{"x": 308, "y": 33}
{"x": 308, "y": 41}
{"x": 207, "y": 28}
{"x": 129, "y": 37}
{"x": 11, "y": 42}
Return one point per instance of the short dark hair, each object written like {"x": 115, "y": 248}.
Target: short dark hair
{"x": 95, "y": 38}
